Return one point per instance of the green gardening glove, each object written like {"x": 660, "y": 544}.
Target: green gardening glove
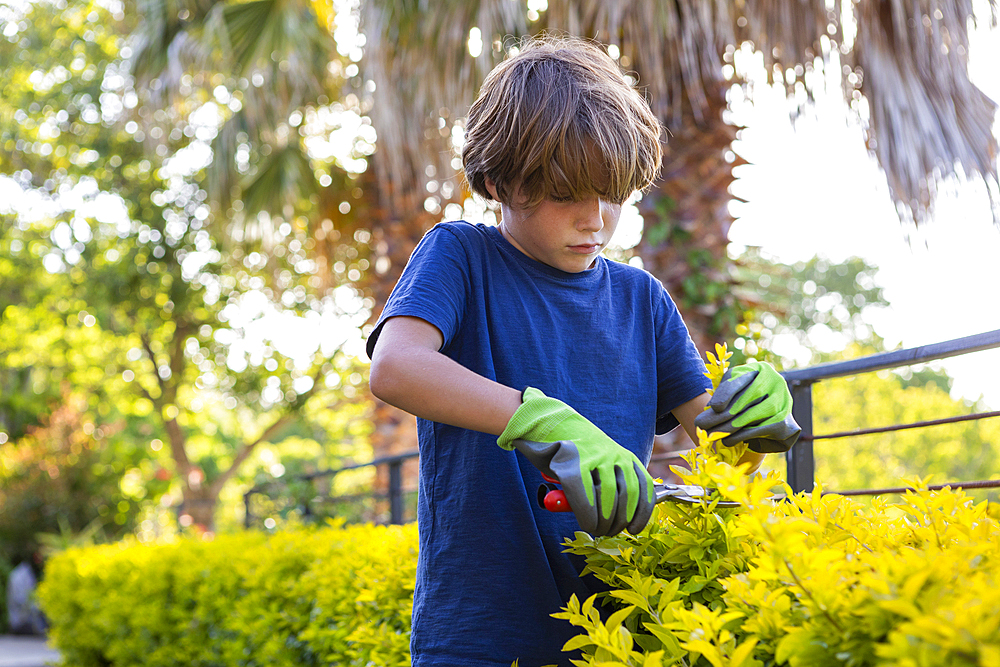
{"x": 753, "y": 405}
{"x": 606, "y": 485}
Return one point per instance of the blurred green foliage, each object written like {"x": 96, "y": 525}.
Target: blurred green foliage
{"x": 140, "y": 352}
{"x": 963, "y": 451}
{"x": 801, "y": 314}
{"x": 818, "y": 311}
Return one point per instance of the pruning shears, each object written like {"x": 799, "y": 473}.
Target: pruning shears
{"x": 552, "y": 498}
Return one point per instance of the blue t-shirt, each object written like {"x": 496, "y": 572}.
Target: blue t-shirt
{"x": 609, "y": 342}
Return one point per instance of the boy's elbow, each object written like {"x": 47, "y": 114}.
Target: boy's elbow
{"x": 377, "y": 378}
{"x": 383, "y": 381}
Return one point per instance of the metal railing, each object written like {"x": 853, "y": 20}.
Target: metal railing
{"x": 801, "y": 464}
{"x": 308, "y": 505}
{"x": 800, "y": 460}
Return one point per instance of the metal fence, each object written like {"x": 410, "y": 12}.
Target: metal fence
{"x": 801, "y": 464}
{"x": 397, "y": 502}
{"x": 394, "y": 506}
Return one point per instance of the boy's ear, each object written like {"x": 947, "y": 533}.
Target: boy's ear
{"x": 491, "y": 187}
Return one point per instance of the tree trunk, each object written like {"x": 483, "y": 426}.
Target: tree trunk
{"x": 687, "y": 222}
{"x": 397, "y": 221}
{"x": 198, "y": 502}
{"x": 197, "y": 509}
{"x": 686, "y": 234}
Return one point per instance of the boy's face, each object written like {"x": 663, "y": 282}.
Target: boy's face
{"x": 565, "y": 235}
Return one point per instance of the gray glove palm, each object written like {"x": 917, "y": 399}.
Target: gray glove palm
{"x": 753, "y": 405}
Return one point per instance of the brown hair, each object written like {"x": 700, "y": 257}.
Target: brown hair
{"x": 559, "y": 119}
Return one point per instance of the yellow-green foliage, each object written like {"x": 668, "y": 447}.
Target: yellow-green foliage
{"x": 809, "y": 581}
{"x": 952, "y": 452}
{"x": 333, "y": 596}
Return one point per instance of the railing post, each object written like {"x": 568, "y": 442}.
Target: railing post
{"x": 247, "y": 517}
{"x": 396, "y": 491}
{"x": 799, "y": 459}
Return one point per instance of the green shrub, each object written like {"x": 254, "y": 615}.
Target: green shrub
{"x": 811, "y": 581}
{"x": 337, "y": 595}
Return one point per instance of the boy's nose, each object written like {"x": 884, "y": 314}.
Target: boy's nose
{"x": 590, "y": 217}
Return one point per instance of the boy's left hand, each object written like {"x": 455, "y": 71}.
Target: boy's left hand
{"x": 753, "y": 405}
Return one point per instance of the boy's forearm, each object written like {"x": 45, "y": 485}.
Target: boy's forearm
{"x": 409, "y": 373}
{"x": 432, "y": 386}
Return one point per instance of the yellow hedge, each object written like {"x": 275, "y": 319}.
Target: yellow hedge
{"x": 338, "y": 595}
{"x": 811, "y": 581}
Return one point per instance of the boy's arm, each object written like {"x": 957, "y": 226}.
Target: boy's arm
{"x": 409, "y": 372}
{"x": 686, "y": 412}
{"x": 607, "y": 487}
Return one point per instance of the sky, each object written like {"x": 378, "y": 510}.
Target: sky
{"x": 814, "y": 190}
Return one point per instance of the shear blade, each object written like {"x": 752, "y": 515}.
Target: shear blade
{"x": 687, "y": 493}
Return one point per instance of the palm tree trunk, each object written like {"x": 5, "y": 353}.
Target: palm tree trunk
{"x": 687, "y": 222}
{"x": 686, "y": 234}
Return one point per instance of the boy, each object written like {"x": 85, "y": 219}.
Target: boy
{"x": 522, "y": 336}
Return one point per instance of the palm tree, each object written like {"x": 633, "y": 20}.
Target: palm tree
{"x": 903, "y": 62}
{"x": 906, "y": 60}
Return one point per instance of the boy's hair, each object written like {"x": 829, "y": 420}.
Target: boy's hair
{"x": 560, "y": 120}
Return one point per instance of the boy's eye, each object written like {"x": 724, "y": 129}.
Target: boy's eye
{"x": 561, "y": 199}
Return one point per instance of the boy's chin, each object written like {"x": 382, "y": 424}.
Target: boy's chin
{"x": 576, "y": 266}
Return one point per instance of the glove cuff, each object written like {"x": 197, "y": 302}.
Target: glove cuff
{"x": 534, "y": 419}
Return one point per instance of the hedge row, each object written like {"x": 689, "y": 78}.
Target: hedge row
{"x": 811, "y": 581}
{"x": 815, "y": 580}
{"x": 333, "y": 596}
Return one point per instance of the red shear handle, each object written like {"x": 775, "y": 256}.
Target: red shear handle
{"x": 555, "y": 501}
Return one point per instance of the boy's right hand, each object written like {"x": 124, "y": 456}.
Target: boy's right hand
{"x": 606, "y": 485}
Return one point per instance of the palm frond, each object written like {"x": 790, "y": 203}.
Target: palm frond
{"x": 927, "y": 117}
{"x": 274, "y": 55}
{"x": 162, "y": 47}
{"x": 674, "y": 46}
{"x": 417, "y": 55}
{"x": 282, "y": 44}
{"x": 222, "y": 180}
{"x": 282, "y": 180}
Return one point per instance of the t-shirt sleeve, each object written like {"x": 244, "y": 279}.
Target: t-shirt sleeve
{"x": 680, "y": 370}
{"x": 433, "y": 287}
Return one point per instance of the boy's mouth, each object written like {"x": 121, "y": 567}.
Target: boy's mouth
{"x": 586, "y": 248}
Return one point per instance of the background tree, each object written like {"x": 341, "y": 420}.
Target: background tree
{"x": 963, "y": 451}
{"x": 901, "y": 66}
{"x": 121, "y": 233}
{"x": 807, "y": 310}
{"x": 820, "y": 311}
